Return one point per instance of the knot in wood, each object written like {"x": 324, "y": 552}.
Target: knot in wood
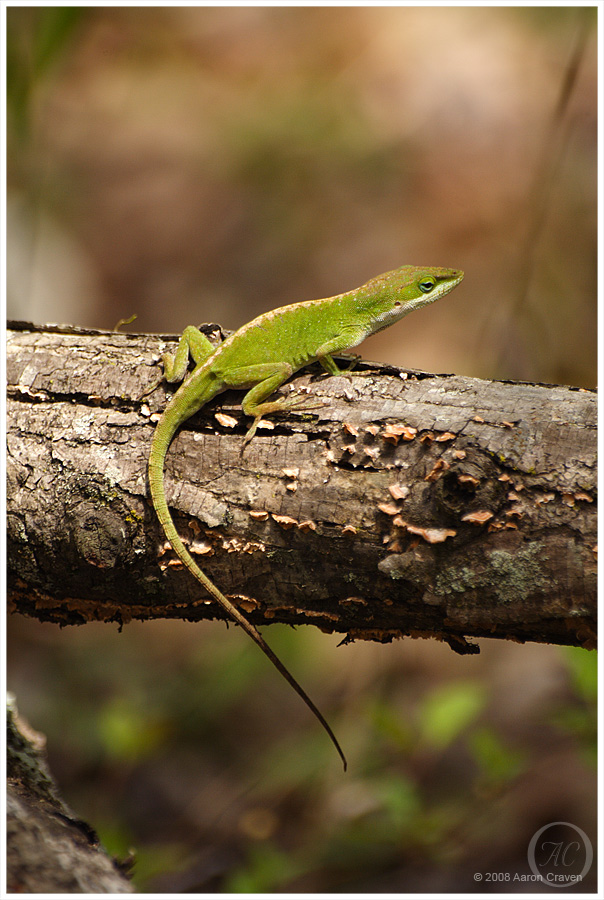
{"x": 98, "y": 534}
{"x": 470, "y": 484}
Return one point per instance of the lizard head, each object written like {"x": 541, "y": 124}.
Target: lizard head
{"x": 391, "y": 296}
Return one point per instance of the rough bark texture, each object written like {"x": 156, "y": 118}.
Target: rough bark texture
{"x": 405, "y": 504}
{"x": 48, "y": 850}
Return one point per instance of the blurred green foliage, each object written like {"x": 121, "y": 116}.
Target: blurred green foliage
{"x": 583, "y": 668}
{"x": 448, "y": 711}
{"x": 580, "y": 719}
{"x": 497, "y": 762}
{"x": 210, "y": 753}
{"x": 37, "y": 39}
{"x": 266, "y": 868}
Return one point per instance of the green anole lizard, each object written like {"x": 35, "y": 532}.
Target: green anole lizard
{"x": 260, "y": 357}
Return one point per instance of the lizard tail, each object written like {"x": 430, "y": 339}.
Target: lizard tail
{"x": 157, "y": 457}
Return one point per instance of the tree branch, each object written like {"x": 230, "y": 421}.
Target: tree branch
{"x": 405, "y": 504}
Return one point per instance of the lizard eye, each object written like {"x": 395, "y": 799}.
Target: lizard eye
{"x": 427, "y": 285}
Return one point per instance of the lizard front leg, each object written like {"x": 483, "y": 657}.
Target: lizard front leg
{"x": 348, "y": 338}
{"x": 265, "y": 378}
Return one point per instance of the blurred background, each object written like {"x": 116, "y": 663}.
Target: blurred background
{"x": 196, "y": 164}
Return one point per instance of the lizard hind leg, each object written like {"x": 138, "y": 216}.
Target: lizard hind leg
{"x": 280, "y": 405}
{"x": 255, "y": 402}
{"x": 192, "y": 344}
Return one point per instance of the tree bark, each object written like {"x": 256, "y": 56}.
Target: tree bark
{"x": 404, "y": 504}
